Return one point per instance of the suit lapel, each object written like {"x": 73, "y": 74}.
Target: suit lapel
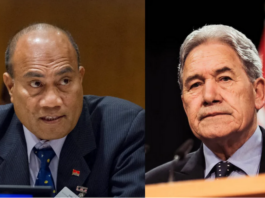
{"x": 14, "y": 167}
{"x": 262, "y": 160}
{"x": 193, "y": 168}
{"x": 78, "y": 144}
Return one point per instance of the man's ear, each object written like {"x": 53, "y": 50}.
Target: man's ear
{"x": 8, "y": 80}
{"x": 259, "y": 86}
{"x": 81, "y": 72}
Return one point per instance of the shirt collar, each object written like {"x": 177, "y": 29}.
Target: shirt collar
{"x": 32, "y": 140}
{"x": 247, "y": 157}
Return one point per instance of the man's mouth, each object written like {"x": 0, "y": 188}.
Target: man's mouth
{"x": 50, "y": 118}
{"x": 213, "y": 114}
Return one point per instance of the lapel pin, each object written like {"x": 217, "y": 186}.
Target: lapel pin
{"x": 76, "y": 172}
{"x": 82, "y": 190}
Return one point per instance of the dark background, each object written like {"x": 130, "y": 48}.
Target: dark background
{"x": 167, "y": 25}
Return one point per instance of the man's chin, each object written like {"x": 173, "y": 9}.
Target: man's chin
{"x": 214, "y": 136}
{"x": 48, "y": 134}
{"x": 214, "y": 133}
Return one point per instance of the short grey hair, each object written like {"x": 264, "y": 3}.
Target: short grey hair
{"x": 243, "y": 46}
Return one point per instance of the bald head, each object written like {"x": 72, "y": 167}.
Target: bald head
{"x": 40, "y": 29}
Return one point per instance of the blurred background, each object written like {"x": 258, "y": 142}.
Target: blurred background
{"x": 167, "y": 25}
{"x": 110, "y": 36}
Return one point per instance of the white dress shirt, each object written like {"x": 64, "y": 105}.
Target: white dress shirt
{"x": 247, "y": 158}
{"x": 34, "y": 161}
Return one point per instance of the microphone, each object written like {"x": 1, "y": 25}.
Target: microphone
{"x": 180, "y": 154}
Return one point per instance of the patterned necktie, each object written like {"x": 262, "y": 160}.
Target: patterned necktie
{"x": 223, "y": 169}
{"x": 44, "y": 177}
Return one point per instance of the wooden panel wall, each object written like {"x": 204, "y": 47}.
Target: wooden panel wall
{"x": 110, "y": 35}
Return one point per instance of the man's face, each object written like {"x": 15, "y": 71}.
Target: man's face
{"x": 47, "y": 87}
{"x": 218, "y": 97}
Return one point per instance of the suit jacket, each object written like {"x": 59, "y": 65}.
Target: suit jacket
{"x": 192, "y": 167}
{"x": 106, "y": 146}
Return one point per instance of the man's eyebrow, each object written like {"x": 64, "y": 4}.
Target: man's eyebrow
{"x": 33, "y": 74}
{"x": 65, "y": 70}
{"x": 191, "y": 78}
{"x": 222, "y": 70}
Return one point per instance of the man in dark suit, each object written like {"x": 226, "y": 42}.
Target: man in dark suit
{"x": 53, "y": 135}
{"x": 220, "y": 75}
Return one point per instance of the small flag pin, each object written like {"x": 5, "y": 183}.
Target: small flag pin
{"x": 76, "y": 172}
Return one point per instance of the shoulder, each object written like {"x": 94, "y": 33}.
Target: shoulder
{"x": 6, "y": 115}
{"x": 109, "y": 114}
{"x": 6, "y": 109}
{"x": 111, "y": 110}
{"x": 109, "y": 103}
{"x": 160, "y": 174}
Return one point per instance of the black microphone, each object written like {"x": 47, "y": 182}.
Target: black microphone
{"x": 180, "y": 154}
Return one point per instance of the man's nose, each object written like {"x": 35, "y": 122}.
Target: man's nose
{"x": 51, "y": 99}
{"x": 211, "y": 93}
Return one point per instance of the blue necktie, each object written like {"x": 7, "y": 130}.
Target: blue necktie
{"x": 44, "y": 177}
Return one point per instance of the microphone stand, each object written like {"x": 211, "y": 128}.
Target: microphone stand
{"x": 180, "y": 154}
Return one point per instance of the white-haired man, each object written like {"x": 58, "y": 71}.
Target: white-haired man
{"x": 222, "y": 90}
